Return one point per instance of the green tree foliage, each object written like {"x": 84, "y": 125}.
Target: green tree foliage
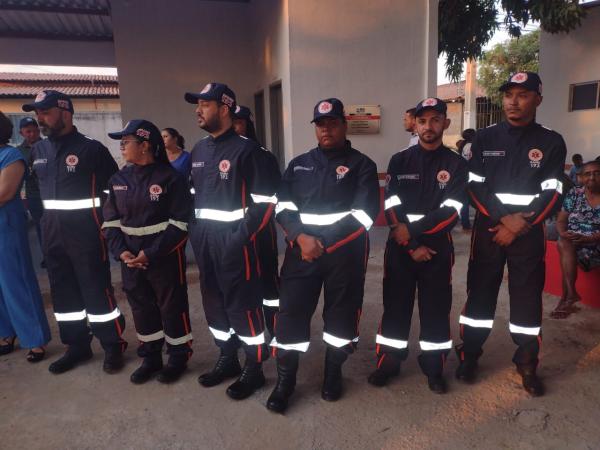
{"x": 466, "y": 26}
{"x": 514, "y": 55}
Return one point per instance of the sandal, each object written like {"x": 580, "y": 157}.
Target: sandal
{"x": 565, "y": 308}
{"x": 34, "y": 357}
{"x": 7, "y": 348}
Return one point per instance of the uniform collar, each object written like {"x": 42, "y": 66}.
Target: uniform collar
{"x": 222, "y": 137}
{"x": 428, "y": 152}
{"x": 64, "y": 138}
{"x": 336, "y": 152}
{"x": 522, "y": 129}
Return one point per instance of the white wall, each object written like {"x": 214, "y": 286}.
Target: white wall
{"x": 164, "y": 49}
{"x": 567, "y": 59}
{"x": 377, "y": 52}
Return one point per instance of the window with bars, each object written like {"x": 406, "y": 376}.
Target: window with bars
{"x": 584, "y": 96}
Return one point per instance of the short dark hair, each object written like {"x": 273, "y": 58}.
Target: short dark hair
{"x": 6, "y": 129}
{"x": 593, "y": 162}
{"x": 468, "y": 134}
{"x": 577, "y": 157}
{"x": 411, "y": 111}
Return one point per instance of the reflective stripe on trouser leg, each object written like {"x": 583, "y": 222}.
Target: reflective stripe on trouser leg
{"x": 435, "y": 301}
{"x": 485, "y": 273}
{"x": 343, "y": 290}
{"x": 526, "y": 269}
{"x": 299, "y": 295}
{"x": 399, "y": 287}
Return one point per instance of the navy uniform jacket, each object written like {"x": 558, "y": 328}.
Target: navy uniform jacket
{"x": 330, "y": 194}
{"x": 147, "y": 209}
{"x": 72, "y": 172}
{"x": 425, "y": 190}
{"x": 516, "y": 169}
{"x": 234, "y": 183}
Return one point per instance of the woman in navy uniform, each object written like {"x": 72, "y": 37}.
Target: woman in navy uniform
{"x": 146, "y": 226}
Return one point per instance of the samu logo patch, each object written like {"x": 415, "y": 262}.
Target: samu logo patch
{"x": 341, "y": 172}
{"x": 155, "y": 191}
{"x": 71, "y": 161}
{"x": 443, "y": 177}
{"x": 224, "y": 167}
{"x": 535, "y": 157}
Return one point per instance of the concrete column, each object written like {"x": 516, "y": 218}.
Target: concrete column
{"x": 470, "y": 106}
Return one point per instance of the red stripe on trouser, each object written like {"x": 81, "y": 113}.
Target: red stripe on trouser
{"x": 186, "y": 327}
{"x": 344, "y": 241}
{"x": 253, "y": 332}
{"x": 258, "y": 269}
{"x": 380, "y": 361}
{"x": 247, "y": 260}
{"x": 179, "y": 259}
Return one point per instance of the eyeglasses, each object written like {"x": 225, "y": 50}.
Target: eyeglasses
{"x": 124, "y": 142}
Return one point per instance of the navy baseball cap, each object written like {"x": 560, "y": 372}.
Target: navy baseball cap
{"x": 431, "y": 103}
{"x": 50, "y": 99}
{"x": 213, "y": 91}
{"x": 528, "y": 80}
{"x": 143, "y": 130}
{"x": 242, "y": 112}
{"x": 26, "y": 121}
{"x": 330, "y": 107}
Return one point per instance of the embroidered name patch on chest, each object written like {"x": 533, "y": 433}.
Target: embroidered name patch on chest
{"x": 40, "y": 161}
{"x": 117, "y": 187}
{"x": 198, "y": 164}
{"x": 496, "y": 153}
{"x": 302, "y": 168}
{"x": 408, "y": 176}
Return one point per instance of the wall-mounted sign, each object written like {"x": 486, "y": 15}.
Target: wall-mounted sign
{"x": 363, "y": 119}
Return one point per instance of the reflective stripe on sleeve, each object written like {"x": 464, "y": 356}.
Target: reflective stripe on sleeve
{"x": 430, "y": 346}
{"x": 476, "y": 323}
{"x": 72, "y": 204}
{"x": 285, "y": 205}
{"x": 363, "y": 218}
{"x": 145, "y": 231}
{"x": 516, "y": 199}
{"x": 299, "y": 346}
{"x": 70, "y": 316}
{"x": 253, "y": 340}
{"x": 180, "y": 340}
{"x": 219, "y": 215}
{"x": 221, "y": 335}
{"x": 112, "y": 224}
{"x": 452, "y": 204}
{"x": 258, "y": 198}
{"x": 181, "y": 225}
{"x": 552, "y": 184}
{"x": 531, "y": 331}
{"x": 394, "y": 200}
{"x": 151, "y": 337}
{"x": 414, "y": 217}
{"x": 337, "y": 341}
{"x": 476, "y": 178}
{"x": 98, "y": 318}
{"x": 271, "y": 303}
{"x": 323, "y": 219}
{"x": 395, "y": 343}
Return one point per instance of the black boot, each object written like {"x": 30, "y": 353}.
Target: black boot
{"x": 531, "y": 382}
{"x": 175, "y": 367}
{"x": 250, "y": 380}
{"x": 227, "y": 366}
{"x": 388, "y": 367}
{"x": 467, "y": 367}
{"x": 332, "y": 382}
{"x": 72, "y": 357}
{"x": 151, "y": 365}
{"x": 437, "y": 384}
{"x": 113, "y": 359}
{"x": 287, "y": 367}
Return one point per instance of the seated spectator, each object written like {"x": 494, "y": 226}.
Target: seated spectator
{"x": 577, "y": 163}
{"x": 578, "y": 226}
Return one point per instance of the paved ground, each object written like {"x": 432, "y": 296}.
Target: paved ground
{"x": 87, "y": 409}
